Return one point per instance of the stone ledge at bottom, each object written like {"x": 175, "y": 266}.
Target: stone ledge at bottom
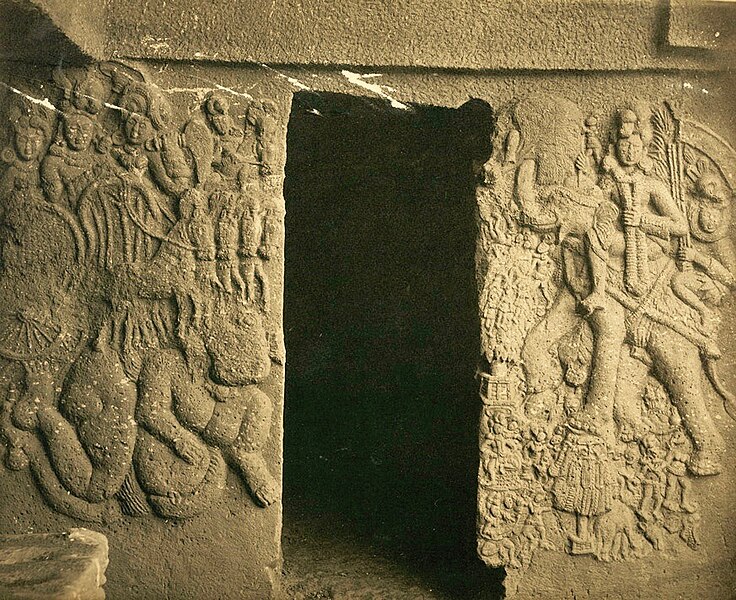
{"x": 53, "y": 566}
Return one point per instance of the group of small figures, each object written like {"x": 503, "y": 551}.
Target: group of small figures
{"x": 137, "y": 331}
{"x": 601, "y": 270}
{"x": 651, "y": 497}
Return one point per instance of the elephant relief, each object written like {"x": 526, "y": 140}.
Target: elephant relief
{"x": 601, "y": 269}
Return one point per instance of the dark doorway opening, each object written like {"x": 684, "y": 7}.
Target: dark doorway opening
{"x": 382, "y": 341}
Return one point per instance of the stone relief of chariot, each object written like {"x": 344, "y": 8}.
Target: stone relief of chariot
{"x": 135, "y": 324}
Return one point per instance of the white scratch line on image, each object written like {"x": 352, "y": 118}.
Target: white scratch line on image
{"x": 380, "y": 90}
{"x": 223, "y": 88}
{"x": 46, "y": 103}
{"x": 200, "y": 92}
{"x": 292, "y": 80}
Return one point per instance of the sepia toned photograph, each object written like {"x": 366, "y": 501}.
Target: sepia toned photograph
{"x": 367, "y": 299}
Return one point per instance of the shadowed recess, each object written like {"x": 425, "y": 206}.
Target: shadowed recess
{"x": 382, "y": 333}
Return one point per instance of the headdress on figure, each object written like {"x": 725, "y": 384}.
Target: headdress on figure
{"x": 25, "y": 117}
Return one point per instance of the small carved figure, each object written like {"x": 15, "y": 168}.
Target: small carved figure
{"x": 231, "y": 413}
{"x": 617, "y": 532}
{"x": 215, "y": 141}
{"x": 582, "y": 485}
{"x": 262, "y": 128}
{"x": 678, "y": 488}
{"x": 30, "y": 133}
{"x": 653, "y": 481}
{"x": 71, "y": 165}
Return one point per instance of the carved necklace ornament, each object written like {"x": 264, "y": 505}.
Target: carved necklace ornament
{"x": 600, "y": 275}
{"x": 134, "y": 329}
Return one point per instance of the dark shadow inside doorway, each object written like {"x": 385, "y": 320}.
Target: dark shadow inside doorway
{"x": 382, "y": 340}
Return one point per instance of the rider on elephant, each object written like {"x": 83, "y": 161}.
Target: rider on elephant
{"x": 642, "y": 326}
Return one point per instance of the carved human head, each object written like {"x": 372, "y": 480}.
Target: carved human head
{"x": 217, "y": 108}
{"x": 710, "y": 206}
{"x": 29, "y": 138}
{"x": 628, "y": 122}
{"x": 137, "y": 128}
{"x": 78, "y": 130}
{"x": 137, "y": 103}
{"x": 89, "y": 94}
{"x": 633, "y": 134}
{"x": 650, "y": 446}
{"x": 630, "y": 149}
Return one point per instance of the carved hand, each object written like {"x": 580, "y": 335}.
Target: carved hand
{"x": 188, "y": 448}
{"x": 685, "y": 254}
{"x": 581, "y": 162}
{"x": 632, "y": 218}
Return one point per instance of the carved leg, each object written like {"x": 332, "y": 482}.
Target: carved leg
{"x": 543, "y": 371}
{"x": 249, "y": 277}
{"x": 630, "y": 383}
{"x": 59, "y": 497}
{"x": 597, "y": 258}
{"x": 608, "y": 337}
{"x": 265, "y": 287}
{"x": 678, "y": 366}
{"x": 65, "y": 452}
{"x": 647, "y": 502}
{"x": 688, "y": 505}
{"x": 245, "y": 451}
{"x": 239, "y": 284}
{"x": 672, "y": 493}
{"x": 39, "y": 390}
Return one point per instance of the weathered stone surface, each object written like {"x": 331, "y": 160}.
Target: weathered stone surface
{"x": 46, "y": 566}
{"x": 704, "y": 25}
{"x": 462, "y": 34}
{"x": 141, "y": 344}
{"x": 604, "y": 272}
{"x": 598, "y": 55}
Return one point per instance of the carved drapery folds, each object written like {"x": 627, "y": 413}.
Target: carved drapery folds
{"x": 136, "y": 325}
{"x": 604, "y": 254}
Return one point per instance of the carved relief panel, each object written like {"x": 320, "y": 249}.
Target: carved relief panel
{"x": 604, "y": 257}
{"x": 139, "y": 268}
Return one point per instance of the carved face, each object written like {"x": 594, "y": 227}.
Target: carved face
{"x": 630, "y": 150}
{"x": 78, "y": 132}
{"x": 28, "y": 143}
{"x": 218, "y": 110}
{"x": 137, "y": 128}
{"x": 710, "y": 209}
{"x": 221, "y": 123}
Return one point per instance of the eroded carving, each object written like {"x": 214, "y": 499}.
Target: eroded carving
{"x": 600, "y": 272}
{"x": 136, "y": 327}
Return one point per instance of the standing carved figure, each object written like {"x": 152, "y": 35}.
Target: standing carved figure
{"x": 604, "y": 358}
